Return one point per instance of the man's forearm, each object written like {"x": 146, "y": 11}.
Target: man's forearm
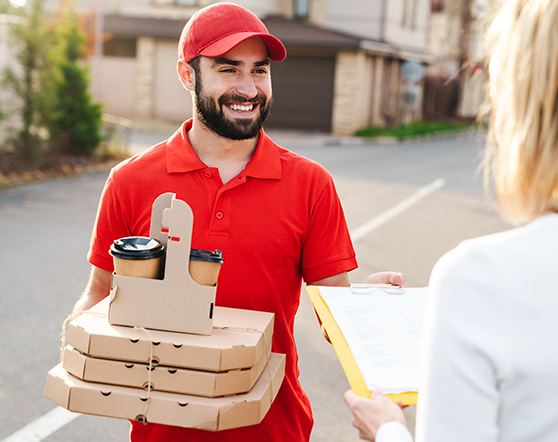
{"x": 98, "y": 288}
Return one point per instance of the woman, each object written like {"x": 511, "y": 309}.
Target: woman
{"x": 490, "y": 369}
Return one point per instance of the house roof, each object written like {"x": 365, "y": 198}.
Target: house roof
{"x": 300, "y": 34}
{"x": 293, "y": 33}
{"x": 129, "y": 26}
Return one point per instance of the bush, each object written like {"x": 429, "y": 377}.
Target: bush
{"x": 75, "y": 121}
{"x": 31, "y": 38}
{"x": 415, "y": 129}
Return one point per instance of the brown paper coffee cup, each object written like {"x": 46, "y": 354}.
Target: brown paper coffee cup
{"x": 137, "y": 256}
{"x": 205, "y": 265}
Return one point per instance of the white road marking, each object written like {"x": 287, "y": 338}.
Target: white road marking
{"x": 55, "y": 419}
{"x": 43, "y": 427}
{"x": 391, "y": 213}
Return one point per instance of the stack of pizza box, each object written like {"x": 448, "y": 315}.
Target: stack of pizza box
{"x": 160, "y": 351}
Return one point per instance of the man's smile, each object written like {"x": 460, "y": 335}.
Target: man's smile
{"x": 242, "y": 110}
{"x": 241, "y": 107}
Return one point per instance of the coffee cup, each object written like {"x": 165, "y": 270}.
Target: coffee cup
{"x": 138, "y": 256}
{"x": 205, "y": 265}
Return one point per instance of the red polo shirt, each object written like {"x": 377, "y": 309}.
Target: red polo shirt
{"x": 278, "y": 221}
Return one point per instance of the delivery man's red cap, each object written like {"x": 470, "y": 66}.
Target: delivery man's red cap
{"x": 218, "y": 28}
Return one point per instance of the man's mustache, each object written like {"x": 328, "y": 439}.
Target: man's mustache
{"x": 239, "y": 99}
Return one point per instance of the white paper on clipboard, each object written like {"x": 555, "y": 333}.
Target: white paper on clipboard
{"x": 383, "y": 331}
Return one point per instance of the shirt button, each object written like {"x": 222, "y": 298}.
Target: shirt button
{"x": 219, "y": 215}
{"x": 208, "y": 174}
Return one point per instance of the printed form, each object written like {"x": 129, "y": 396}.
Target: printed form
{"x": 383, "y": 331}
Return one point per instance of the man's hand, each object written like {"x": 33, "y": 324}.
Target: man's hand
{"x": 98, "y": 287}
{"x": 342, "y": 280}
{"x": 393, "y": 278}
{"x": 369, "y": 414}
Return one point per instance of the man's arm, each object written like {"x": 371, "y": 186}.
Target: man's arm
{"x": 98, "y": 288}
{"x": 339, "y": 280}
{"x": 342, "y": 280}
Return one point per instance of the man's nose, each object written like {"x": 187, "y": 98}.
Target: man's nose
{"x": 247, "y": 87}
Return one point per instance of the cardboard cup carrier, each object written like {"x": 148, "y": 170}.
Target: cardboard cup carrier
{"x": 142, "y": 257}
{"x": 151, "y": 350}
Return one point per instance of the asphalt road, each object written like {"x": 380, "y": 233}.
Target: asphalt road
{"x": 45, "y": 230}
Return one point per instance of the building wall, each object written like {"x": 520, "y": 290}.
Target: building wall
{"x": 145, "y": 77}
{"x": 407, "y": 23}
{"x": 118, "y": 92}
{"x": 351, "y": 103}
{"x": 355, "y": 17}
{"x": 164, "y": 8}
{"x": 364, "y": 18}
{"x": 171, "y": 101}
{"x": 260, "y": 7}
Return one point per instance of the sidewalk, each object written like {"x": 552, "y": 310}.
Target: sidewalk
{"x": 145, "y": 135}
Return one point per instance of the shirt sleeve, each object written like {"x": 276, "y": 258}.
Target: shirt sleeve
{"x": 393, "y": 432}
{"x": 327, "y": 246}
{"x": 463, "y": 352}
{"x": 109, "y": 225}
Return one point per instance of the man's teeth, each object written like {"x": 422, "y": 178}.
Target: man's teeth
{"x": 241, "y": 108}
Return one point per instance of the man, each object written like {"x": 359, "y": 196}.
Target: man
{"x": 275, "y": 215}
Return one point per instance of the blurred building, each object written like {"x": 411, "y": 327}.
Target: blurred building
{"x": 456, "y": 83}
{"x": 342, "y": 71}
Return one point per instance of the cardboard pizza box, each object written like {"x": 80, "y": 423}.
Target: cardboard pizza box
{"x": 161, "y": 378}
{"x": 175, "y": 409}
{"x": 240, "y": 338}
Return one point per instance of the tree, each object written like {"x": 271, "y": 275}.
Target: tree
{"x": 6, "y": 7}
{"x": 74, "y": 120}
{"x": 31, "y": 40}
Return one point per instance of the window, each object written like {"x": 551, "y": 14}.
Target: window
{"x": 120, "y": 47}
{"x": 176, "y": 2}
{"x": 301, "y": 8}
{"x": 437, "y": 5}
{"x": 409, "y": 12}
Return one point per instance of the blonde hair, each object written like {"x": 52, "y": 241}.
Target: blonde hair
{"x": 522, "y": 152}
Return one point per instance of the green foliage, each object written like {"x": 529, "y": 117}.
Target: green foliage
{"x": 6, "y": 7}
{"x": 31, "y": 39}
{"x": 54, "y": 104}
{"x": 415, "y": 129}
{"x": 74, "y": 120}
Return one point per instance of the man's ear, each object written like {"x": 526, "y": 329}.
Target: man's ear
{"x": 186, "y": 75}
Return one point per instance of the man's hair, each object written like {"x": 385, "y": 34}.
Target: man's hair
{"x": 195, "y": 63}
{"x": 522, "y": 152}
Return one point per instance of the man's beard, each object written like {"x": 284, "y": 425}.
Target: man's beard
{"x": 214, "y": 118}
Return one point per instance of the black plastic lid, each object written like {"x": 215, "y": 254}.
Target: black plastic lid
{"x": 206, "y": 255}
{"x": 137, "y": 248}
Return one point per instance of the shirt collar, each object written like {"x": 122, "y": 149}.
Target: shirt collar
{"x": 265, "y": 163}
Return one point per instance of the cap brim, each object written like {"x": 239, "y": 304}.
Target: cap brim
{"x": 275, "y": 49}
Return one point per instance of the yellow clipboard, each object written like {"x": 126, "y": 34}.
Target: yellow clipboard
{"x": 344, "y": 354}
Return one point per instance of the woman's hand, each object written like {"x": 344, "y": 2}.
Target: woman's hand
{"x": 369, "y": 414}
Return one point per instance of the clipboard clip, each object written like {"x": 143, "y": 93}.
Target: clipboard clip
{"x": 365, "y": 289}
